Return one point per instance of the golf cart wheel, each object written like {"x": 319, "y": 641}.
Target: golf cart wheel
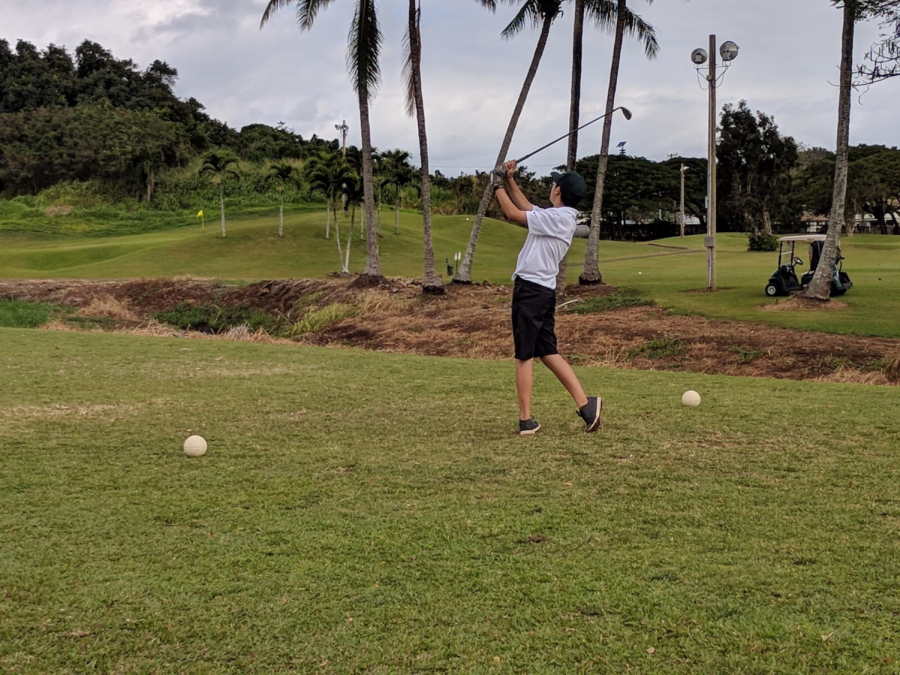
{"x": 771, "y": 290}
{"x": 835, "y": 291}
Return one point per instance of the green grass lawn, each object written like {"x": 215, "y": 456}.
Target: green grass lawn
{"x": 253, "y": 251}
{"x": 873, "y": 304}
{"x": 362, "y": 512}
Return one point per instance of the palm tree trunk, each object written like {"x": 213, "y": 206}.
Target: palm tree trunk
{"x": 328, "y": 218}
{"x": 373, "y": 261}
{"x": 337, "y": 236}
{"x": 575, "y": 96}
{"x": 281, "y": 219}
{"x": 590, "y": 274}
{"x": 820, "y": 286}
{"x": 397, "y": 214}
{"x": 574, "y": 116}
{"x": 431, "y": 283}
{"x": 464, "y": 273}
{"x": 222, "y": 208}
{"x": 346, "y": 264}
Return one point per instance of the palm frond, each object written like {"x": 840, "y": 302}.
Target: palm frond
{"x": 535, "y": 11}
{"x": 271, "y": 8}
{"x": 604, "y": 13}
{"x": 364, "y": 48}
{"x": 307, "y": 10}
{"x": 409, "y": 84}
{"x": 635, "y": 26}
{"x": 517, "y": 25}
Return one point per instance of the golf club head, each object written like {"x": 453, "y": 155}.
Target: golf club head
{"x": 626, "y": 112}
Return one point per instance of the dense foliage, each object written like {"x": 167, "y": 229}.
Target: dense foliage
{"x": 91, "y": 116}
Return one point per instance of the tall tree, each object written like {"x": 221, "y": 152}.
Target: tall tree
{"x": 590, "y": 274}
{"x": 220, "y": 166}
{"x": 820, "y": 286}
{"x": 603, "y": 14}
{"x": 415, "y": 103}
{"x": 283, "y": 175}
{"x": 540, "y": 13}
{"x": 853, "y": 11}
{"x": 363, "y": 50}
{"x": 754, "y": 169}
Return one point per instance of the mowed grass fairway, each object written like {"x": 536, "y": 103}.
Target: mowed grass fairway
{"x": 252, "y": 251}
{"x": 362, "y": 512}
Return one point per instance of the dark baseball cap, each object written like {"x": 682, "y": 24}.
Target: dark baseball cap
{"x": 571, "y": 185}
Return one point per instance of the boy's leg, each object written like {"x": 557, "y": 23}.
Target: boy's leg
{"x": 589, "y": 408}
{"x": 564, "y": 373}
{"x": 523, "y": 387}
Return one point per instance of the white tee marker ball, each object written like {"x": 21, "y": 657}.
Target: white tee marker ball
{"x": 691, "y": 398}
{"x": 195, "y": 446}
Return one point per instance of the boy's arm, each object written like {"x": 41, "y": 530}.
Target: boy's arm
{"x": 510, "y": 210}
{"x": 512, "y": 189}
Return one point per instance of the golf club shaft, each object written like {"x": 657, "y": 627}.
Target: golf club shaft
{"x": 596, "y": 119}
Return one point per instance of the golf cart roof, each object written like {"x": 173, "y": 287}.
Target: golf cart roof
{"x": 803, "y": 237}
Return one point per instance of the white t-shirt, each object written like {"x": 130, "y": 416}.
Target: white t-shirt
{"x": 550, "y": 233}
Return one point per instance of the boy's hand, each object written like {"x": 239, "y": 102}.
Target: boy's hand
{"x": 510, "y": 168}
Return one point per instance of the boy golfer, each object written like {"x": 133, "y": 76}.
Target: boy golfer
{"x": 550, "y": 233}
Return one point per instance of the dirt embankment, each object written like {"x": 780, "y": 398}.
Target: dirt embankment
{"x": 473, "y": 321}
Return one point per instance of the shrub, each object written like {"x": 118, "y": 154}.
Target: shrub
{"x": 763, "y": 242}
{"x": 22, "y": 314}
{"x": 215, "y": 319}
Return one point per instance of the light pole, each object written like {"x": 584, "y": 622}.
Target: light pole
{"x": 683, "y": 169}
{"x": 728, "y": 51}
{"x": 343, "y": 128}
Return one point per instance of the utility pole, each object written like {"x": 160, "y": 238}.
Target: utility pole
{"x": 711, "y": 176}
{"x": 728, "y": 51}
{"x": 343, "y": 128}
{"x": 683, "y": 169}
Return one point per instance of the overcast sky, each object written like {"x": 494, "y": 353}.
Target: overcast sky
{"x": 787, "y": 67}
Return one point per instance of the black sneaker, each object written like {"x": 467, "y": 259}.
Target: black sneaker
{"x": 590, "y": 413}
{"x": 528, "y": 427}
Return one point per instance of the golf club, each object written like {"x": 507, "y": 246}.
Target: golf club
{"x": 625, "y": 111}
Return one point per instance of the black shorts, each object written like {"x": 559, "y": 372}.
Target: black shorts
{"x": 533, "y": 320}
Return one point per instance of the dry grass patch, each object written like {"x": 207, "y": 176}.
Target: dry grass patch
{"x": 847, "y": 375}
{"x": 795, "y": 302}
{"x": 108, "y": 307}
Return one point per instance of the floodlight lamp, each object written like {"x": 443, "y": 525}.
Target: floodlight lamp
{"x": 728, "y": 50}
{"x": 698, "y": 56}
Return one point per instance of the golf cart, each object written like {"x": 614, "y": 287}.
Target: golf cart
{"x": 784, "y": 280}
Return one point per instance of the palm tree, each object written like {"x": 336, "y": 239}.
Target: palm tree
{"x": 351, "y": 196}
{"x": 541, "y": 13}
{"x": 328, "y": 172}
{"x": 603, "y": 14}
{"x": 220, "y": 166}
{"x": 820, "y": 286}
{"x": 396, "y": 171}
{"x": 363, "y": 50}
{"x": 415, "y": 102}
{"x": 625, "y": 22}
{"x": 283, "y": 174}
